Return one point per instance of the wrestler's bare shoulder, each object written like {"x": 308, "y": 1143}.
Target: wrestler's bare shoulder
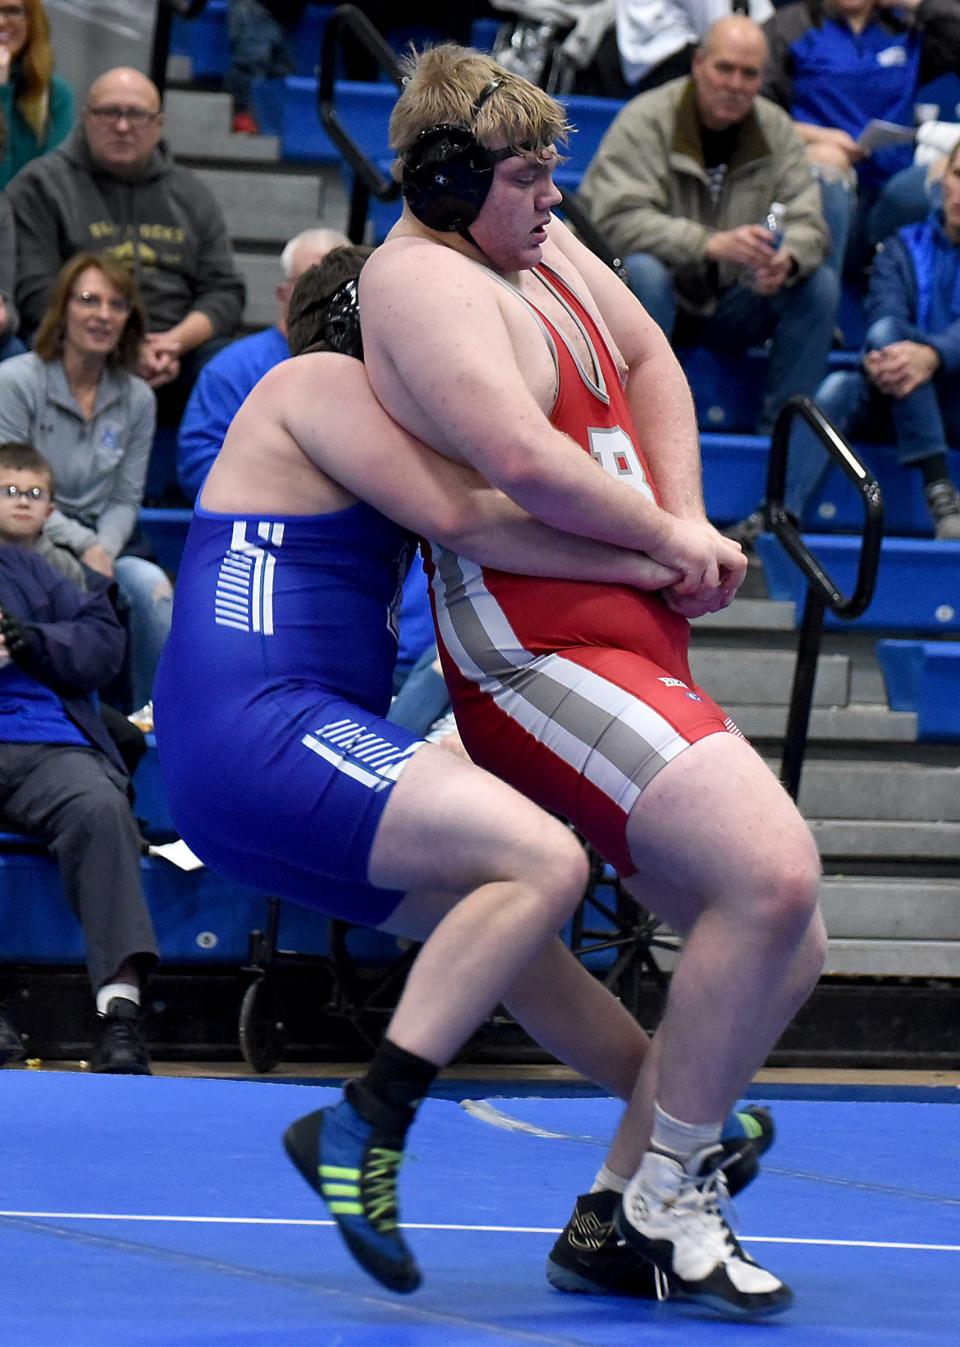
{"x": 281, "y": 449}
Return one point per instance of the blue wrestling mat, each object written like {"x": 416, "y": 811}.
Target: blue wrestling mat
{"x": 163, "y": 1213}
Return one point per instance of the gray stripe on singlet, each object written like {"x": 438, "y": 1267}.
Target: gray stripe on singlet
{"x": 606, "y": 734}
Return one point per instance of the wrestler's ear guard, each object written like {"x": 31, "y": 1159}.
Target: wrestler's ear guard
{"x": 447, "y": 174}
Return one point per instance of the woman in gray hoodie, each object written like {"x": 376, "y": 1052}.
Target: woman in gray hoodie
{"x": 75, "y": 398}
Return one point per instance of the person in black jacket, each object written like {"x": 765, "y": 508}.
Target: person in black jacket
{"x": 61, "y": 777}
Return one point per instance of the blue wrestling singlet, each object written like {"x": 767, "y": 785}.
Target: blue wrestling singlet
{"x": 270, "y": 696}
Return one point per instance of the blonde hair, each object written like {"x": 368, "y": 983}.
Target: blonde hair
{"x": 443, "y": 84}
{"x": 36, "y": 70}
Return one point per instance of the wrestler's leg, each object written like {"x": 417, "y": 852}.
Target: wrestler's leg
{"x": 451, "y": 829}
{"x": 723, "y": 853}
{"x": 448, "y": 829}
{"x": 731, "y": 862}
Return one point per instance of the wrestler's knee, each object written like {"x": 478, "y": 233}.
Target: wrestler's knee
{"x": 784, "y": 884}
{"x": 555, "y": 865}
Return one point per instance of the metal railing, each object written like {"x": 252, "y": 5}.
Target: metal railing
{"x": 167, "y": 11}
{"x": 822, "y": 591}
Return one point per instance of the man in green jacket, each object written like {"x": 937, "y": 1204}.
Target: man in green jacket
{"x": 703, "y": 188}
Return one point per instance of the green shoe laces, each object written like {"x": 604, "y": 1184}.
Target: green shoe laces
{"x": 379, "y": 1185}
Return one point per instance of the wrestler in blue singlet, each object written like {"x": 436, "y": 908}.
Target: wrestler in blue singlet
{"x": 270, "y": 697}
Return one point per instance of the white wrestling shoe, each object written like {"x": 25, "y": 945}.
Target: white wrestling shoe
{"x": 671, "y": 1214}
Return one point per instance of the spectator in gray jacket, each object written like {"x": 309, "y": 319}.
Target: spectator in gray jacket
{"x": 112, "y": 188}
{"x": 75, "y": 399}
{"x": 682, "y": 187}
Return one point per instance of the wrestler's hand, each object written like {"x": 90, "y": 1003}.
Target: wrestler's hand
{"x": 707, "y": 562}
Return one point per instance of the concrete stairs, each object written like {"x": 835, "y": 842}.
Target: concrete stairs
{"x": 265, "y": 203}
{"x": 884, "y": 810}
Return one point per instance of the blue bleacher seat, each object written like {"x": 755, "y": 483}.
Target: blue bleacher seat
{"x": 204, "y": 40}
{"x": 727, "y": 388}
{"x": 166, "y": 532}
{"x": 916, "y": 590}
{"x": 591, "y": 117}
{"x": 924, "y": 677}
{"x": 734, "y": 474}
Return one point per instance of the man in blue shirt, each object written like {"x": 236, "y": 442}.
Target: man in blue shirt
{"x": 909, "y": 380}
{"x": 225, "y": 381}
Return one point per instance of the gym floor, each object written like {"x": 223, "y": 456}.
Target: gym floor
{"x": 161, "y": 1211}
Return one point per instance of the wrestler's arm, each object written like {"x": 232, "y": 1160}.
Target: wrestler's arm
{"x": 663, "y": 413}
{"x": 374, "y": 459}
{"x": 440, "y": 359}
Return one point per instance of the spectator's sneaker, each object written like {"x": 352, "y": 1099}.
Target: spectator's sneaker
{"x": 671, "y": 1214}
{"x": 245, "y": 124}
{"x": 120, "y": 1049}
{"x": 353, "y": 1166}
{"x": 11, "y": 1044}
{"x": 589, "y": 1255}
{"x": 943, "y": 502}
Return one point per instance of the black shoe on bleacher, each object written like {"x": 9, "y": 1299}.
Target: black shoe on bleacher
{"x": 120, "y": 1049}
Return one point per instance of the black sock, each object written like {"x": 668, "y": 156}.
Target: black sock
{"x": 934, "y": 469}
{"x": 390, "y": 1092}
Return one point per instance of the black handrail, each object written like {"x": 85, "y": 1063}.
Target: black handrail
{"x": 367, "y": 177}
{"x": 822, "y": 590}
{"x": 167, "y": 11}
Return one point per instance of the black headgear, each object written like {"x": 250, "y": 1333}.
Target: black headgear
{"x": 447, "y": 173}
{"x": 336, "y": 320}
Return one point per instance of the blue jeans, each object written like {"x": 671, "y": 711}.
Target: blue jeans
{"x": 149, "y": 597}
{"x": 10, "y": 345}
{"x": 799, "y": 320}
{"x": 258, "y": 50}
{"x": 923, "y": 423}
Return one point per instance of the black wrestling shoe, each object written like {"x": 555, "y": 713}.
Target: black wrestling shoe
{"x": 674, "y": 1214}
{"x": 120, "y": 1049}
{"x": 590, "y": 1257}
{"x": 353, "y": 1166}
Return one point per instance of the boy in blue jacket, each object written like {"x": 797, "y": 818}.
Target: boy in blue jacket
{"x": 61, "y": 778}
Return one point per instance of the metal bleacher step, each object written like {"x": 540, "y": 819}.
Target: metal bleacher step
{"x": 764, "y": 678}
{"x": 261, "y": 272}
{"x": 887, "y": 841}
{"x": 748, "y": 614}
{"x": 901, "y": 791}
{"x": 882, "y": 927}
{"x": 844, "y": 724}
{"x": 197, "y": 125}
{"x": 265, "y": 208}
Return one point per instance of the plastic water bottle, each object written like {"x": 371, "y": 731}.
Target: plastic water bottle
{"x": 774, "y": 222}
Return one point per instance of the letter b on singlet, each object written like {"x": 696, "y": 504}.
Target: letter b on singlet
{"x": 613, "y": 449}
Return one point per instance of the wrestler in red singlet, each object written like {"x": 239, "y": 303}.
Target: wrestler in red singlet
{"x": 575, "y": 693}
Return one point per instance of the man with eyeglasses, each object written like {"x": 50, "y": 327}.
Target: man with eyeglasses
{"x": 114, "y": 188}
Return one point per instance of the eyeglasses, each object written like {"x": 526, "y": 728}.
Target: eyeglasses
{"x": 31, "y": 493}
{"x": 138, "y": 117}
{"x": 11, "y": 13}
{"x": 86, "y": 299}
